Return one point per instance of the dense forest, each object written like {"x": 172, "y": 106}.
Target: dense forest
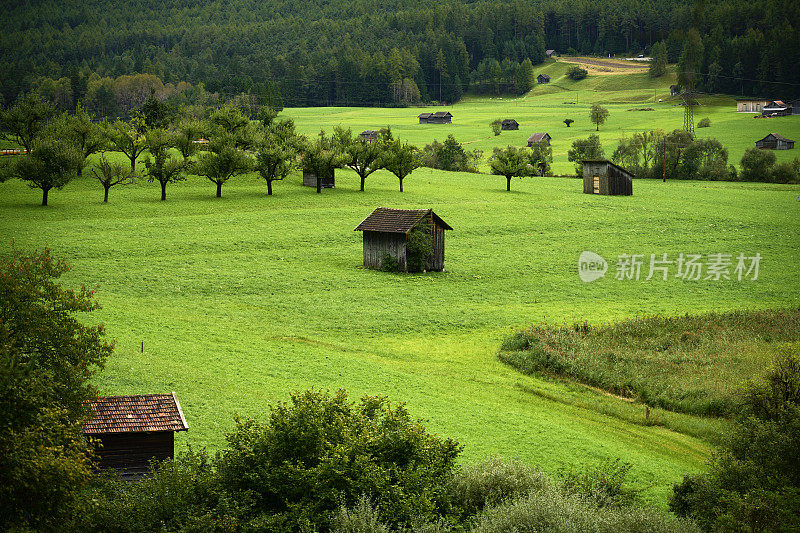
{"x": 365, "y": 52}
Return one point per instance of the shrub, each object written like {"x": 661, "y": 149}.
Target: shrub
{"x": 757, "y": 165}
{"x": 605, "y": 484}
{"x": 576, "y": 73}
{"x": 583, "y": 149}
{"x": 419, "y": 249}
{"x": 362, "y": 518}
{"x": 786, "y": 172}
{"x": 389, "y": 263}
{"x": 497, "y": 126}
{"x": 450, "y": 155}
{"x": 704, "y": 123}
{"x": 568, "y": 121}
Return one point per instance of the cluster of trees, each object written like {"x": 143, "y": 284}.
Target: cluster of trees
{"x": 450, "y": 155}
{"x": 519, "y": 162}
{"x": 367, "y": 53}
{"x": 176, "y": 145}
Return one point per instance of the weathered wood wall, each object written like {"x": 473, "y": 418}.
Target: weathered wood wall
{"x": 612, "y": 180}
{"x": 377, "y": 243}
{"x": 310, "y": 180}
{"x": 130, "y": 453}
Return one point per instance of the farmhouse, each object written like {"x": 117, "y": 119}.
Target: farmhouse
{"x": 440, "y": 117}
{"x": 509, "y": 124}
{"x": 674, "y": 90}
{"x": 132, "y": 430}
{"x": 539, "y": 138}
{"x": 750, "y": 105}
{"x": 369, "y": 135}
{"x": 386, "y": 233}
{"x": 773, "y": 141}
{"x": 543, "y": 78}
{"x": 326, "y": 182}
{"x": 604, "y": 177}
{"x": 776, "y": 108}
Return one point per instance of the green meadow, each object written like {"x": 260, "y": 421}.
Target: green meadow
{"x": 240, "y": 300}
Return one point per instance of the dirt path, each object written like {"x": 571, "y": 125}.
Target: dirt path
{"x": 606, "y": 66}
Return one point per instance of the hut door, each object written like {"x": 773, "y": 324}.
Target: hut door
{"x": 596, "y": 181}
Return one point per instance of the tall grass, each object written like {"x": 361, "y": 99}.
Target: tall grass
{"x": 690, "y": 364}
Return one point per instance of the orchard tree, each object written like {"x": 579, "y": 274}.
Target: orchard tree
{"x": 47, "y": 358}
{"x": 399, "y": 158}
{"x": 155, "y": 112}
{"x": 497, "y": 126}
{"x": 509, "y": 162}
{"x": 583, "y": 149}
{"x": 223, "y": 160}
{"x": 320, "y": 157}
{"x": 186, "y": 132}
{"x": 162, "y": 166}
{"x": 276, "y": 152}
{"x": 127, "y": 138}
{"x": 111, "y": 174}
{"x": 52, "y": 163}
{"x": 539, "y": 158}
{"x": 89, "y": 136}
{"x": 360, "y": 155}
{"x": 598, "y": 115}
{"x": 25, "y": 119}
{"x": 568, "y": 121}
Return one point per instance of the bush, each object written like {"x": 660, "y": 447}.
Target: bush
{"x": 583, "y": 149}
{"x": 576, "y": 73}
{"x": 362, "y": 518}
{"x": 786, "y": 172}
{"x": 450, "y": 155}
{"x": 704, "y": 123}
{"x": 389, "y": 263}
{"x": 605, "y": 484}
{"x": 757, "y": 165}
{"x": 419, "y": 249}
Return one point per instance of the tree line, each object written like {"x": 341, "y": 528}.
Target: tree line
{"x": 359, "y": 52}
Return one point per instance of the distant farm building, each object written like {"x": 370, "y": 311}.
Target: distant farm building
{"x": 674, "y": 90}
{"x": 796, "y": 107}
{"x": 543, "y": 78}
{"x": 537, "y": 138}
{"x": 550, "y": 53}
{"x": 604, "y": 177}
{"x": 369, "y": 135}
{"x": 509, "y": 124}
{"x": 776, "y": 108}
{"x": 133, "y": 430}
{"x": 326, "y": 182}
{"x": 440, "y": 117}
{"x": 386, "y": 232}
{"x": 773, "y": 141}
{"x": 750, "y": 105}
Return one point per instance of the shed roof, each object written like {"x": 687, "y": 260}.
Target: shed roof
{"x": 442, "y": 114}
{"x": 369, "y": 132}
{"x": 549, "y": 52}
{"x": 388, "y": 220}
{"x": 545, "y": 76}
{"x": 135, "y": 414}
{"x": 425, "y": 115}
{"x": 776, "y": 136}
{"x": 779, "y": 104}
{"x": 510, "y": 121}
{"x": 606, "y": 161}
{"x": 538, "y": 137}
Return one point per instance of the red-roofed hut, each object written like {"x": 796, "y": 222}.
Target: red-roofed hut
{"x": 132, "y": 430}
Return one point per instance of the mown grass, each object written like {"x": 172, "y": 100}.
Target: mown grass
{"x": 695, "y": 364}
{"x": 242, "y": 299}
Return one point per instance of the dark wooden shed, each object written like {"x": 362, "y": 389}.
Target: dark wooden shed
{"x": 386, "y": 231}
{"x": 132, "y": 430}
{"x": 440, "y": 117}
{"x": 310, "y": 180}
{"x": 604, "y": 177}
{"x": 509, "y": 124}
{"x": 776, "y": 108}
{"x": 674, "y": 90}
{"x": 539, "y": 138}
{"x": 543, "y": 78}
{"x": 773, "y": 141}
{"x": 369, "y": 135}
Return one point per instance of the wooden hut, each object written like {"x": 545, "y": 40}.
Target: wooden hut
{"x": 369, "y": 135}
{"x": 440, "y": 117}
{"x": 132, "y": 430}
{"x": 385, "y": 232}
{"x": 543, "y": 78}
{"x": 796, "y": 107}
{"x": 773, "y": 141}
{"x": 537, "y": 138}
{"x": 750, "y": 105}
{"x": 776, "y": 108}
{"x": 550, "y": 53}
{"x": 326, "y": 182}
{"x": 509, "y": 124}
{"x": 604, "y": 177}
{"x": 674, "y": 90}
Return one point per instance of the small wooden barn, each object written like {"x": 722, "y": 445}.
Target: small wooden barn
{"x": 509, "y": 124}
{"x": 773, "y": 141}
{"x": 604, "y": 177}
{"x": 385, "y": 231}
{"x": 674, "y": 90}
{"x": 369, "y": 135}
{"x": 776, "y": 108}
{"x": 543, "y": 78}
{"x": 440, "y": 117}
{"x": 537, "y": 138}
{"x": 796, "y": 107}
{"x": 326, "y": 182}
{"x": 132, "y": 430}
{"x": 750, "y": 105}
{"x": 550, "y": 53}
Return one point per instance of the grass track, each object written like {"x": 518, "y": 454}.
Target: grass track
{"x": 242, "y": 299}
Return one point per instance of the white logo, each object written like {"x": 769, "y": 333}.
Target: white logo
{"x": 591, "y": 266}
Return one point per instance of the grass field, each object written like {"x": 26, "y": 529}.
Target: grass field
{"x": 242, "y": 299}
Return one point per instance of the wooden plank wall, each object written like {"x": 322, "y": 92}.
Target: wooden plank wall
{"x": 377, "y": 243}
{"x": 130, "y": 453}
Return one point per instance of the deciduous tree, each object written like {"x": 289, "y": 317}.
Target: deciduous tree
{"x": 25, "y": 119}
{"x": 127, "y": 138}
{"x": 360, "y": 155}
{"x": 110, "y": 174}
{"x": 162, "y": 166}
{"x": 52, "y": 163}
{"x": 509, "y": 162}
{"x": 598, "y": 115}
{"x": 583, "y": 149}
{"x": 400, "y": 159}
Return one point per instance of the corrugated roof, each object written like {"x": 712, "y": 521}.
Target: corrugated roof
{"x": 135, "y": 414}
{"x": 388, "y": 220}
{"x": 537, "y": 137}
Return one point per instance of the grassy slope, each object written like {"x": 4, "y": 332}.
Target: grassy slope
{"x": 242, "y": 299}
{"x": 546, "y": 107}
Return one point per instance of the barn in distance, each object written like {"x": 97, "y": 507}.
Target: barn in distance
{"x": 509, "y": 124}
{"x": 440, "y": 117}
{"x": 325, "y": 182}
{"x": 604, "y": 177}
{"x": 386, "y": 233}
{"x": 133, "y": 430}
